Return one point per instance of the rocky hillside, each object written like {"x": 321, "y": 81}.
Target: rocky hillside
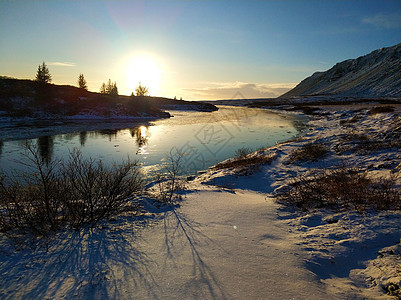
{"x": 377, "y": 74}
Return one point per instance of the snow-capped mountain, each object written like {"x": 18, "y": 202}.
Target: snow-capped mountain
{"x": 377, "y": 74}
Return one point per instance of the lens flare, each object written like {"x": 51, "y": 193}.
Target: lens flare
{"x": 145, "y": 71}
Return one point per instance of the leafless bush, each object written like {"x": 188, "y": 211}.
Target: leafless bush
{"x": 309, "y": 152}
{"x": 242, "y": 152}
{"x": 245, "y": 162}
{"x": 340, "y": 189}
{"x": 56, "y": 194}
{"x": 361, "y": 142}
{"x": 169, "y": 181}
{"x": 31, "y": 200}
{"x": 94, "y": 192}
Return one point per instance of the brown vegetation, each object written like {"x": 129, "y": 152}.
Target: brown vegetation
{"x": 341, "y": 189}
{"x": 169, "y": 182}
{"x": 381, "y": 109}
{"x": 246, "y": 162}
{"x": 72, "y": 194}
{"x": 309, "y": 152}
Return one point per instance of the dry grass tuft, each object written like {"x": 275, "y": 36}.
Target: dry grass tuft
{"x": 309, "y": 152}
{"x": 342, "y": 188}
{"x": 244, "y": 162}
{"x": 242, "y": 152}
{"x": 381, "y": 109}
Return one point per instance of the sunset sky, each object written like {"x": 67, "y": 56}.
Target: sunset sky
{"x": 192, "y": 49}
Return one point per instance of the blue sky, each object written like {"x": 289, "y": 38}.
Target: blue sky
{"x": 197, "y": 49}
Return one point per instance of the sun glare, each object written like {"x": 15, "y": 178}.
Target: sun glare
{"x": 144, "y": 70}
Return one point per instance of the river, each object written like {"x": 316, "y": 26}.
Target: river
{"x": 205, "y": 138}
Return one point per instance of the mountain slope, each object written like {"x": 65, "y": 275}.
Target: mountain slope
{"x": 377, "y": 74}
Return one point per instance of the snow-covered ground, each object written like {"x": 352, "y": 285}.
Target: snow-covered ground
{"x": 355, "y": 256}
{"x": 229, "y": 239}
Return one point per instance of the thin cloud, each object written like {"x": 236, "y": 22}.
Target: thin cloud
{"x": 226, "y": 90}
{"x": 61, "y": 64}
{"x": 383, "y": 21}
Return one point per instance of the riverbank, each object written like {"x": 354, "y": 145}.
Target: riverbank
{"x": 229, "y": 238}
{"x": 206, "y": 137}
{"x": 354, "y": 255}
{"x": 21, "y": 128}
{"x": 30, "y": 106}
{"x": 31, "y": 129}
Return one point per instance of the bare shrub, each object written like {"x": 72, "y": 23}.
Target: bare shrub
{"x": 360, "y": 142}
{"x": 31, "y": 200}
{"x": 169, "y": 181}
{"x": 309, "y": 152}
{"x": 246, "y": 161}
{"x": 242, "y": 152}
{"x": 308, "y": 110}
{"x": 340, "y": 189}
{"x": 94, "y": 192}
{"x": 56, "y": 194}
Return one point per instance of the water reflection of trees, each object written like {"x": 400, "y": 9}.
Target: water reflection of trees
{"x": 110, "y": 133}
{"x": 1, "y": 147}
{"x": 141, "y": 134}
{"x": 82, "y": 138}
{"x": 45, "y": 147}
{"x": 69, "y": 136}
{"x": 45, "y": 144}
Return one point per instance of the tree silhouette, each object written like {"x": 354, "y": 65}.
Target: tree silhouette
{"x": 141, "y": 90}
{"x": 82, "y": 82}
{"x": 109, "y": 88}
{"x": 114, "y": 90}
{"x": 43, "y": 74}
{"x": 45, "y": 146}
{"x": 103, "y": 89}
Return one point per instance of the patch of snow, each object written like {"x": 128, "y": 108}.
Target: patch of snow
{"x": 228, "y": 239}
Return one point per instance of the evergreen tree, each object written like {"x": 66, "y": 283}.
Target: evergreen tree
{"x": 103, "y": 89}
{"x": 142, "y": 90}
{"x": 109, "y": 88}
{"x": 43, "y": 74}
{"x": 82, "y": 82}
{"x": 114, "y": 90}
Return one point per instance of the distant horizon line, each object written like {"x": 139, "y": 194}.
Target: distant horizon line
{"x": 98, "y": 92}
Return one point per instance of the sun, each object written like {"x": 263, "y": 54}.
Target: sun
{"x": 143, "y": 70}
